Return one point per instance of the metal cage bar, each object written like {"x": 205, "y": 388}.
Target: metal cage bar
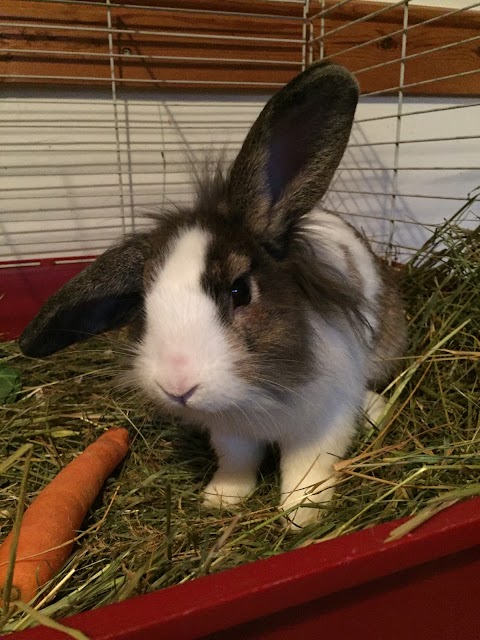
{"x": 122, "y": 155}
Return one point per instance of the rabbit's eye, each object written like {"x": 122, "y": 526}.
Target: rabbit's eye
{"x": 240, "y": 292}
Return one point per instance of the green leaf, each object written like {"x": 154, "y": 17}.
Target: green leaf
{"x": 10, "y": 384}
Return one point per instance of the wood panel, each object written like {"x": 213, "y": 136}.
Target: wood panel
{"x": 461, "y": 62}
{"x": 59, "y": 43}
{"x": 85, "y": 57}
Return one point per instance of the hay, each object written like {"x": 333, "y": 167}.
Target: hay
{"x": 148, "y": 530}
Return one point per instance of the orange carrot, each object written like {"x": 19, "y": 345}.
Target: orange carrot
{"x": 51, "y": 523}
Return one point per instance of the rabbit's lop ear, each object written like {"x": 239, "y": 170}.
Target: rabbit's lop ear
{"x": 106, "y": 295}
{"x": 292, "y": 151}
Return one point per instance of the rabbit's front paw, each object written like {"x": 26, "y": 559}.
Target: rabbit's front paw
{"x": 310, "y": 510}
{"x": 227, "y": 491}
{"x": 375, "y": 408}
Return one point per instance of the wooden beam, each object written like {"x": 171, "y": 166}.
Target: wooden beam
{"x": 58, "y": 43}
{"x": 377, "y": 42}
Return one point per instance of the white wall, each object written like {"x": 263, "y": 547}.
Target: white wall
{"x": 59, "y": 175}
{"x": 434, "y": 177}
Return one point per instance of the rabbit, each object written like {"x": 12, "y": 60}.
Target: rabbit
{"x": 258, "y": 316}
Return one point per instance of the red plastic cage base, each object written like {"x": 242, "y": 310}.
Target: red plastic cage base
{"x": 26, "y": 284}
{"x": 424, "y": 585}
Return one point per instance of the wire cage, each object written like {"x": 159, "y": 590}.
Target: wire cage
{"x": 95, "y": 130}
{"x": 104, "y": 105}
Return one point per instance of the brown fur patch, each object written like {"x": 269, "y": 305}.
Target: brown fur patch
{"x": 222, "y": 208}
{"x": 238, "y": 265}
{"x": 270, "y": 336}
{"x": 391, "y": 338}
{"x": 352, "y": 270}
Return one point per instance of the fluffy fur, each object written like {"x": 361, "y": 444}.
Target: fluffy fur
{"x": 296, "y": 357}
{"x": 258, "y": 378}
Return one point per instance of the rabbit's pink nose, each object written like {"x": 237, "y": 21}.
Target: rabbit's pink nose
{"x": 180, "y": 397}
{"x": 179, "y": 360}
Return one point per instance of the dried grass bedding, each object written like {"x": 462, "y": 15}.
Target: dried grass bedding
{"x": 148, "y": 530}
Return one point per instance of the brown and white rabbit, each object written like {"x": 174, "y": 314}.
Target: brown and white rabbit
{"x": 260, "y": 317}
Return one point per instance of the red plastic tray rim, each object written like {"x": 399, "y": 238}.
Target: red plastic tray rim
{"x": 218, "y": 602}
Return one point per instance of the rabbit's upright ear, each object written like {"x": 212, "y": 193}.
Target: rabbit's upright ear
{"x": 106, "y": 295}
{"x": 292, "y": 151}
